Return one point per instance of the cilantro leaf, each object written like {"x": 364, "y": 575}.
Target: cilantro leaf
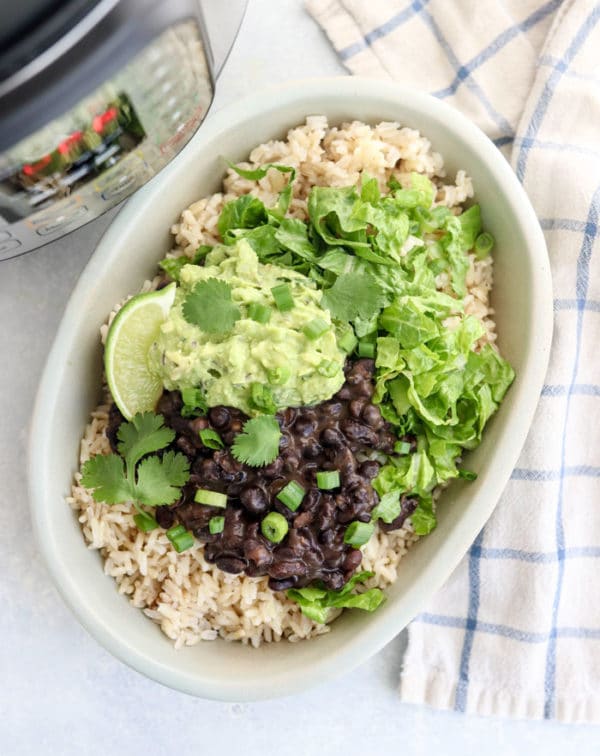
{"x": 258, "y": 445}
{"x": 159, "y": 480}
{"x": 354, "y": 295}
{"x": 144, "y": 434}
{"x": 105, "y": 475}
{"x": 209, "y": 306}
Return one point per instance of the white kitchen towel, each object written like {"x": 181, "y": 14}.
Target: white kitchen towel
{"x": 516, "y": 629}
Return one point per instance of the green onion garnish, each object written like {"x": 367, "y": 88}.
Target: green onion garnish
{"x": 261, "y": 398}
{"x": 279, "y": 375}
{"x": 291, "y": 495}
{"x": 358, "y": 533}
{"x": 282, "y": 294}
{"x": 194, "y": 403}
{"x": 183, "y": 542}
{"x": 175, "y": 531}
{"x": 328, "y": 479}
{"x": 181, "y": 538}
{"x": 366, "y": 349}
{"x": 145, "y": 522}
{"x": 328, "y": 368}
{"x": 402, "y": 447}
{"x": 483, "y": 245}
{"x": 210, "y": 498}
{"x": 211, "y": 439}
{"x": 274, "y": 527}
{"x": 258, "y": 312}
{"x": 216, "y": 525}
{"x": 316, "y": 328}
{"x": 347, "y": 342}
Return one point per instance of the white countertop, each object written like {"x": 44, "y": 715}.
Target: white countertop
{"x": 61, "y": 693}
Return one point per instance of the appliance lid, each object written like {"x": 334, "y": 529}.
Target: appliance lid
{"x": 90, "y": 114}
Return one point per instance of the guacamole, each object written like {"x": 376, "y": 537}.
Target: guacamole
{"x": 277, "y": 354}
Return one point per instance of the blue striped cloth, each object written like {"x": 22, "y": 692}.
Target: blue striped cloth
{"x": 516, "y": 629}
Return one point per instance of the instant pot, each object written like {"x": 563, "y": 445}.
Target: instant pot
{"x": 96, "y": 96}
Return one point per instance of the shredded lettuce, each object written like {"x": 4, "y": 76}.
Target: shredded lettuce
{"x": 316, "y": 603}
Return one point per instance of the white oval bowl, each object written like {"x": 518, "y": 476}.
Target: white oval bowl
{"x": 128, "y": 253}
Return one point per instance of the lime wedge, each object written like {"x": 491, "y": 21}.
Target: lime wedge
{"x": 135, "y": 327}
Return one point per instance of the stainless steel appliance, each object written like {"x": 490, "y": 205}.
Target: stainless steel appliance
{"x": 96, "y": 96}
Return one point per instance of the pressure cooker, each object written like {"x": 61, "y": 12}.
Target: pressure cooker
{"x": 96, "y": 97}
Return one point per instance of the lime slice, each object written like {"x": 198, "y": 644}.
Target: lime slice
{"x": 135, "y": 327}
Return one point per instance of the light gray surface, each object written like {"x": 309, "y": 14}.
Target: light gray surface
{"x": 63, "y": 694}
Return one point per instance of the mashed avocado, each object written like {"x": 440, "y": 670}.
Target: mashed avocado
{"x": 299, "y": 371}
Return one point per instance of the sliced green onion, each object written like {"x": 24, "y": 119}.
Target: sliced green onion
{"x": 183, "y": 541}
{"x": 279, "y": 375}
{"x": 211, "y": 439}
{"x": 467, "y": 475}
{"x": 175, "y": 531}
{"x": 210, "y": 498}
{"x": 216, "y": 525}
{"x": 483, "y": 245}
{"x": 282, "y": 294}
{"x": 366, "y": 349}
{"x": 260, "y": 313}
{"x": 194, "y": 402}
{"x": 347, "y": 342}
{"x": 328, "y": 368}
{"x": 291, "y": 495}
{"x": 402, "y": 447}
{"x": 358, "y": 533}
{"x": 261, "y": 398}
{"x": 145, "y": 522}
{"x": 274, "y": 527}
{"x": 328, "y": 479}
{"x": 316, "y": 328}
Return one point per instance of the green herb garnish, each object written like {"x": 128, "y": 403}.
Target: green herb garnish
{"x": 210, "y": 307}
{"x": 137, "y": 474}
{"x": 354, "y": 295}
{"x": 258, "y": 444}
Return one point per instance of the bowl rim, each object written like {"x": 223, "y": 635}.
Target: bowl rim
{"x": 374, "y": 635}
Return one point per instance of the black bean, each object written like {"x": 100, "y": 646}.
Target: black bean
{"x": 165, "y": 516}
{"x": 219, "y": 417}
{"x": 282, "y": 585}
{"x": 372, "y": 416}
{"x": 332, "y": 437}
{"x": 352, "y": 560}
{"x": 287, "y": 568}
{"x": 369, "y": 469}
{"x": 254, "y": 500}
{"x": 231, "y": 564}
{"x": 359, "y": 433}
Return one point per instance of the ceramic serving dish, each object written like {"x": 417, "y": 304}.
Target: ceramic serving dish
{"x": 127, "y": 255}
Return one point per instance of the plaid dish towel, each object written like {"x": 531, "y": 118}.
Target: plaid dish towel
{"x": 516, "y": 630}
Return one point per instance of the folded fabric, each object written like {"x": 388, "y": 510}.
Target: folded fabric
{"x": 516, "y": 629}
